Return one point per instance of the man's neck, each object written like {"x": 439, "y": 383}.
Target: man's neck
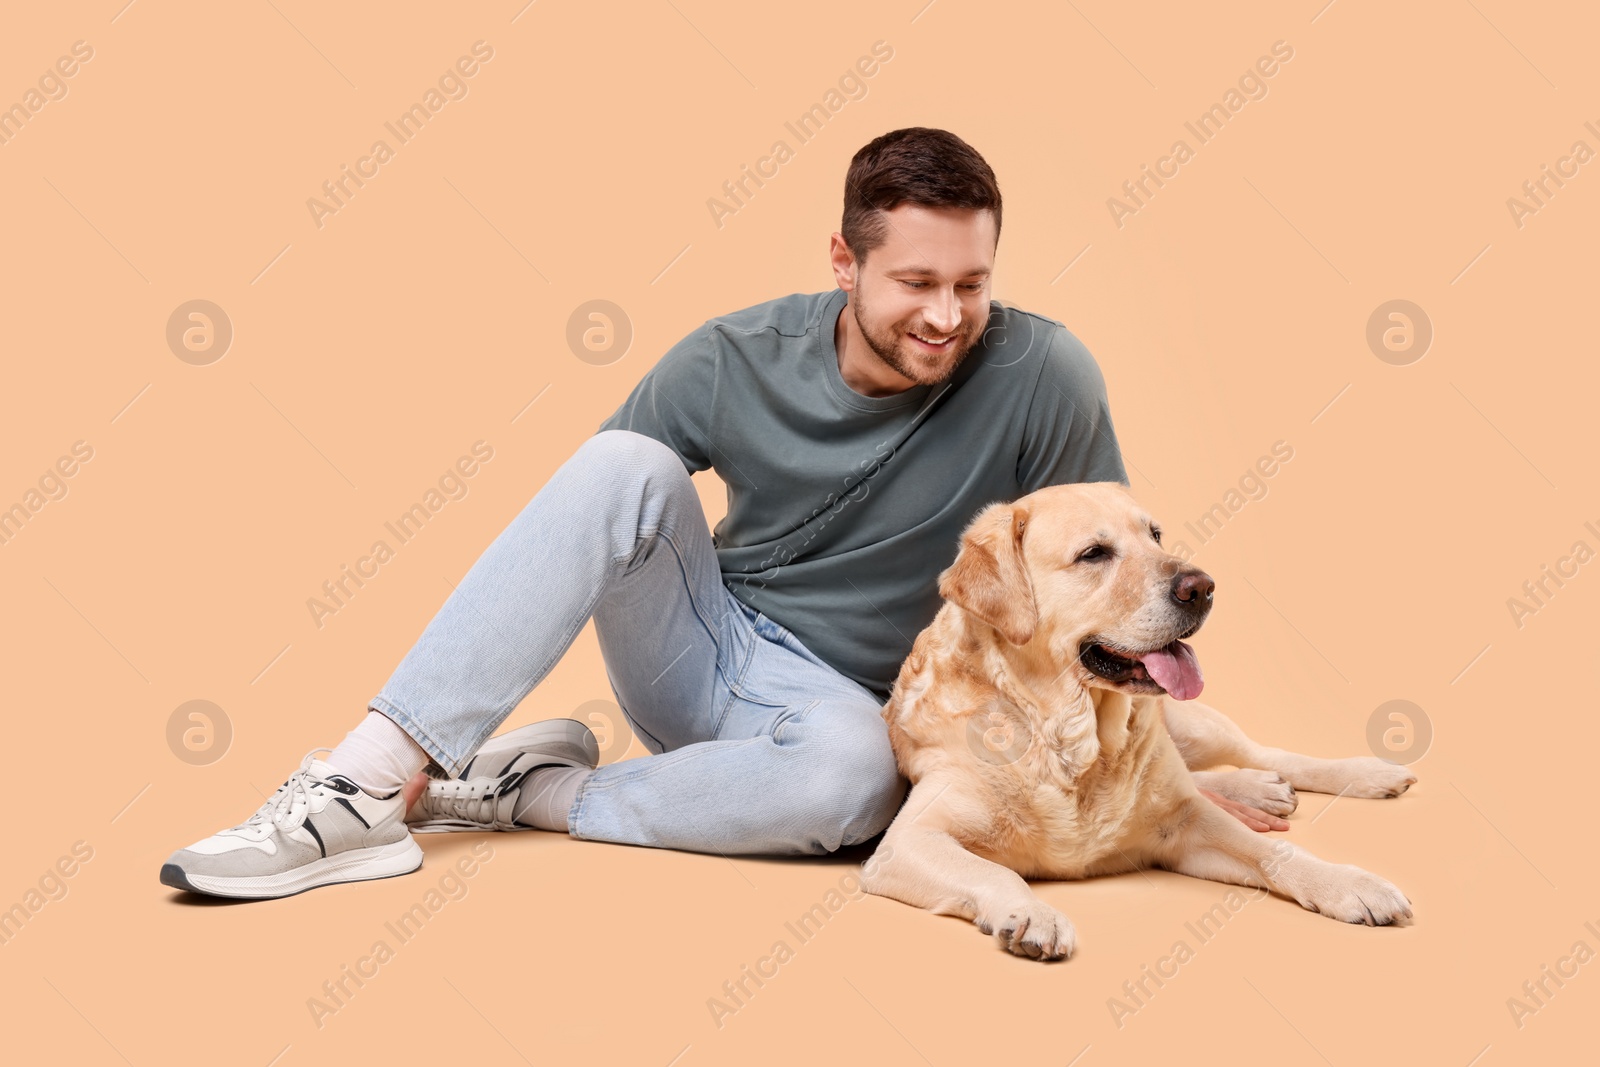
{"x": 859, "y": 366}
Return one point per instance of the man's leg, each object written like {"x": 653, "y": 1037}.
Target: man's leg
{"x": 620, "y": 521}
{"x": 620, "y": 515}
{"x": 799, "y": 760}
{"x": 789, "y": 757}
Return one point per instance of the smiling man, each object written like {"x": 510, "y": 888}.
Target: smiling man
{"x": 857, "y": 430}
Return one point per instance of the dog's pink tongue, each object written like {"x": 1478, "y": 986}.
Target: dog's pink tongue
{"x": 1175, "y": 669}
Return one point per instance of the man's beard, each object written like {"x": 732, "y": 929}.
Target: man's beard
{"x": 886, "y": 346}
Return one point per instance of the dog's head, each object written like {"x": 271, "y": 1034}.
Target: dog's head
{"x": 1081, "y": 568}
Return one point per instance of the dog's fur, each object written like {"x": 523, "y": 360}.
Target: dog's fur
{"x": 1034, "y": 755}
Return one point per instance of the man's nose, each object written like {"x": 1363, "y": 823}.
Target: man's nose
{"x": 1192, "y": 590}
{"x": 943, "y": 312}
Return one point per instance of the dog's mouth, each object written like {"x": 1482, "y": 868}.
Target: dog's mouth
{"x": 1171, "y": 668}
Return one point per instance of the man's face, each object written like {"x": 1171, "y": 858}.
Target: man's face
{"x": 921, "y": 299}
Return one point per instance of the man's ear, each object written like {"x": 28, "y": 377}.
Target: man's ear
{"x": 988, "y": 578}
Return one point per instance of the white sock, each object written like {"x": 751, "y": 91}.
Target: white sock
{"x": 547, "y": 795}
{"x": 378, "y": 755}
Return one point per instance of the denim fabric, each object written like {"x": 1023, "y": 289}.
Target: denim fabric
{"x": 756, "y": 745}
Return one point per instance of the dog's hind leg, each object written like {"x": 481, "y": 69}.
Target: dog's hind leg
{"x": 1206, "y": 738}
{"x": 921, "y": 863}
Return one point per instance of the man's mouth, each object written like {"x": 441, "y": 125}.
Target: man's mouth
{"x": 933, "y": 343}
{"x": 1171, "y": 669}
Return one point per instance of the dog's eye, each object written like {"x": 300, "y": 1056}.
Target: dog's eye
{"x": 1095, "y": 552}
{"x": 1155, "y": 531}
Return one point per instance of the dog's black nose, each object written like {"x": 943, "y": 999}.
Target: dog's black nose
{"x": 1192, "y": 589}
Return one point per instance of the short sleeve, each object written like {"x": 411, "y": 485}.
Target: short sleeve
{"x": 675, "y": 400}
{"x": 1068, "y": 435}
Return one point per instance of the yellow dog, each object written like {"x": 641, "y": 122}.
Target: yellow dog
{"x": 1047, "y": 722}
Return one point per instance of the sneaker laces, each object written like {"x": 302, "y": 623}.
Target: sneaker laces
{"x": 475, "y": 801}
{"x": 292, "y": 799}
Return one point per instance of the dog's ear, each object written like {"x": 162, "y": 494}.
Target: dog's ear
{"x": 988, "y": 578}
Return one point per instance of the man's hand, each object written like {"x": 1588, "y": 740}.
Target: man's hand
{"x": 1254, "y": 818}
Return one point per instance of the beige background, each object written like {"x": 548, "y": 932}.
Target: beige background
{"x": 431, "y": 311}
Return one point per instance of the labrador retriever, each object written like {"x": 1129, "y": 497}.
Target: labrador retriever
{"x": 1047, "y": 722}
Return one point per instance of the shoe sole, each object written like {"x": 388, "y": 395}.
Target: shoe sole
{"x": 356, "y": 865}
{"x": 566, "y": 740}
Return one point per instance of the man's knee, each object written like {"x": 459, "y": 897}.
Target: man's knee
{"x": 633, "y": 480}
{"x": 858, "y": 787}
{"x": 615, "y": 452}
{"x": 878, "y": 803}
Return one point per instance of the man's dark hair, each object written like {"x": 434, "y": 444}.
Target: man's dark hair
{"x": 916, "y": 165}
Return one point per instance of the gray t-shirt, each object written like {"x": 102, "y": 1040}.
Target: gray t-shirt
{"x": 843, "y": 508}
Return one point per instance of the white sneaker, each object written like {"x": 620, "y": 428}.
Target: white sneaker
{"x": 317, "y": 829}
{"x": 485, "y": 796}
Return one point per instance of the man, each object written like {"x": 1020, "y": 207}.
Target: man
{"x": 858, "y": 431}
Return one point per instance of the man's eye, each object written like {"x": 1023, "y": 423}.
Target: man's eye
{"x": 971, "y": 287}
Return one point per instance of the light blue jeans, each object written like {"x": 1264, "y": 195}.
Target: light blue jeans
{"x": 756, "y": 745}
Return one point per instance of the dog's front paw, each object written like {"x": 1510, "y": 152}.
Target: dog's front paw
{"x": 1034, "y": 929}
{"x": 1369, "y": 776}
{"x": 1352, "y": 895}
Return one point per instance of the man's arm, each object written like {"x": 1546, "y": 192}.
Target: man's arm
{"x": 1068, "y": 435}
{"x": 675, "y": 401}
